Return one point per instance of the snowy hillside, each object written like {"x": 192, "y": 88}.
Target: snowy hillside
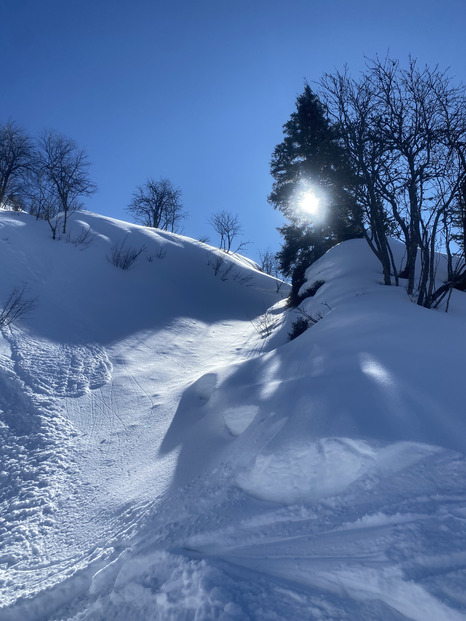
{"x": 166, "y": 453}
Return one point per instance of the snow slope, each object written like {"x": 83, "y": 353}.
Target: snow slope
{"x": 167, "y": 454}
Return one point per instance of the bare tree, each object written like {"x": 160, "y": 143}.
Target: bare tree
{"x": 227, "y": 226}
{"x": 43, "y": 201}
{"x": 63, "y": 170}
{"x": 157, "y": 204}
{"x": 405, "y": 130}
{"x": 350, "y": 104}
{"x": 16, "y": 151}
{"x": 269, "y": 263}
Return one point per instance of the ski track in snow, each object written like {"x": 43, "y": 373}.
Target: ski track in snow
{"x": 105, "y": 410}
{"x": 207, "y": 553}
{"x": 194, "y": 555}
{"x": 59, "y": 370}
{"x": 37, "y": 463}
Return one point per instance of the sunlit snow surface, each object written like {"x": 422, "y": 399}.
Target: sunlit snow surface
{"x": 162, "y": 457}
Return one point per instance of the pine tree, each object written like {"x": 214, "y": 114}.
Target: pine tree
{"x": 310, "y": 158}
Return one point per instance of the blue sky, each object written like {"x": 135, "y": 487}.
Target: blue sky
{"x": 198, "y": 91}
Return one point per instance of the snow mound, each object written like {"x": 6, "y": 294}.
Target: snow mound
{"x": 309, "y": 471}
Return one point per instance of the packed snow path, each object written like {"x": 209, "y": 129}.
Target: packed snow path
{"x": 116, "y": 404}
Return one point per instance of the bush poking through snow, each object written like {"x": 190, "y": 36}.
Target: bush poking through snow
{"x": 83, "y": 240}
{"x": 298, "y": 327}
{"x": 298, "y": 280}
{"x": 316, "y": 285}
{"x": 216, "y": 263}
{"x": 124, "y": 257}
{"x": 226, "y": 270}
{"x": 15, "y": 307}
{"x": 311, "y": 320}
{"x": 160, "y": 254}
{"x": 296, "y": 298}
{"x": 265, "y": 324}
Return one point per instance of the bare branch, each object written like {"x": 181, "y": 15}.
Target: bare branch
{"x": 15, "y": 306}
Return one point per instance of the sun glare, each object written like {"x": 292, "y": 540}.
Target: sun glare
{"x": 310, "y": 203}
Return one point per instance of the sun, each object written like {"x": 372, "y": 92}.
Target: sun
{"x": 310, "y": 203}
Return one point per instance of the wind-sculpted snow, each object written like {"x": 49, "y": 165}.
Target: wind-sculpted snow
{"x": 301, "y": 471}
{"x": 166, "y": 457}
{"x": 390, "y": 547}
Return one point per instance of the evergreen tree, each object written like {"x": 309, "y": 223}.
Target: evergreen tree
{"x": 311, "y": 160}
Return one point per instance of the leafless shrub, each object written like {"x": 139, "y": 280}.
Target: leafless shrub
{"x": 84, "y": 238}
{"x": 265, "y": 324}
{"x": 227, "y": 272}
{"x": 124, "y": 257}
{"x": 216, "y": 263}
{"x": 242, "y": 278}
{"x": 311, "y": 319}
{"x": 160, "y": 254}
{"x": 15, "y": 306}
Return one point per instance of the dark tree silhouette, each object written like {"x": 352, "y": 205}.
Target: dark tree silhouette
{"x": 61, "y": 176}
{"x": 311, "y": 158}
{"x": 405, "y": 132}
{"x": 227, "y": 226}
{"x": 16, "y": 152}
{"x": 157, "y": 204}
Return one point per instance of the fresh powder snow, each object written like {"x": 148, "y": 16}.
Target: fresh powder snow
{"x": 166, "y": 453}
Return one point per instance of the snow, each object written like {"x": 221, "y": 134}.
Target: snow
{"x": 166, "y": 453}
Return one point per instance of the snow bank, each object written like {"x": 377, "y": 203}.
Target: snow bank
{"x": 368, "y": 376}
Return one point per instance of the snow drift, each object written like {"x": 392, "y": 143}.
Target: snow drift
{"x": 167, "y": 454}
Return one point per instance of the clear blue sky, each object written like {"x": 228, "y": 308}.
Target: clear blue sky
{"x": 198, "y": 90}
